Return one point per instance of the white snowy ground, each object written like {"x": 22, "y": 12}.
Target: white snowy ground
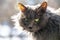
{"x": 7, "y": 33}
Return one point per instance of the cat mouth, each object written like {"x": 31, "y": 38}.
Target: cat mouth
{"x": 33, "y": 30}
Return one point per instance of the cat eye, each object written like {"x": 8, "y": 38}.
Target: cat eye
{"x": 36, "y": 20}
{"x": 25, "y": 21}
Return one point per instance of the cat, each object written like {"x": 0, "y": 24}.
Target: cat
{"x": 44, "y": 24}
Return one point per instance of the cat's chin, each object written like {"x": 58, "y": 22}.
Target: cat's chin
{"x": 31, "y": 31}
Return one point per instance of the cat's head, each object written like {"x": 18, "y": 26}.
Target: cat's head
{"x": 32, "y": 20}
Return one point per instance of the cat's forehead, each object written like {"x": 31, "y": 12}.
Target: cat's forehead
{"x": 30, "y": 13}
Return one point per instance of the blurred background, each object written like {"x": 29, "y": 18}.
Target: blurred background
{"x": 7, "y": 9}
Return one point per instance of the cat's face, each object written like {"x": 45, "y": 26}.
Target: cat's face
{"x": 31, "y": 19}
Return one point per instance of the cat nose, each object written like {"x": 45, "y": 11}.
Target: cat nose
{"x": 30, "y": 27}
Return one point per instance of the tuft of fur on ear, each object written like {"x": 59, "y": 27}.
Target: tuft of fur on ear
{"x": 42, "y": 8}
{"x": 22, "y": 7}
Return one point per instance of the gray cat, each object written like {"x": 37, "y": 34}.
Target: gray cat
{"x": 43, "y": 24}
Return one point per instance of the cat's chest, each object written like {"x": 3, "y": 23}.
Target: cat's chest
{"x": 46, "y": 36}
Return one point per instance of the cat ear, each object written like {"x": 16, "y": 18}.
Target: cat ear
{"x": 43, "y": 7}
{"x": 21, "y": 7}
